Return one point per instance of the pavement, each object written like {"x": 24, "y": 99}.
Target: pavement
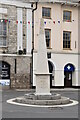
{"x": 14, "y": 111}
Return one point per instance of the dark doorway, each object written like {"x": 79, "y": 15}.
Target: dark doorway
{"x": 68, "y": 71}
{"x": 51, "y": 71}
{"x": 67, "y": 79}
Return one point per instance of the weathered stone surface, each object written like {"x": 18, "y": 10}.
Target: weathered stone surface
{"x": 20, "y": 79}
{"x": 32, "y": 96}
{"x": 11, "y": 28}
{"x": 42, "y": 70}
{"x": 62, "y": 100}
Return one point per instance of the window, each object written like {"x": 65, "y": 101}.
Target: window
{"x": 3, "y": 33}
{"x": 67, "y": 16}
{"x": 48, "y": 37}
{"x": 46, "y": 12}
{"x": 66, "y": 40}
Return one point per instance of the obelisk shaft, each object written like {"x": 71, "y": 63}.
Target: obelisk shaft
{"x": 42, "y": 70}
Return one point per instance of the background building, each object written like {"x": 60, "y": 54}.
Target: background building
{"x": 62, "y": 34}
{"x": 15, "y": 43}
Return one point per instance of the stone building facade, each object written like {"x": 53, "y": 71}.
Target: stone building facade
{"x": 15, "y": 43}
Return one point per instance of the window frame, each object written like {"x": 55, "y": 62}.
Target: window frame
{"x": 4, "y": 36}
{"x": 46, "y": 17}
{"x": 50, "y": 39}
{"x": 66, "y": 20}
{"x": 67, "y": 41}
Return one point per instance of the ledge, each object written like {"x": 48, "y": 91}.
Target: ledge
{"x": 59, "y": 52}
{"x": 16, "y": 3}
{"x": 3, "y": 46}
{"x": 13, "y": 55}
{"x": 43, "y": 74}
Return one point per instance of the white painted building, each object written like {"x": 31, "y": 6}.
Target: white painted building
{"x": 62, "y": 37}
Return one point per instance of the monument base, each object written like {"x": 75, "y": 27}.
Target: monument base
{"x": 42, "y": 84}
{"x": 53, "y": 99}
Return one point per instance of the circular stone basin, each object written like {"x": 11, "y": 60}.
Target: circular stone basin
{"x": 53, "y": 99}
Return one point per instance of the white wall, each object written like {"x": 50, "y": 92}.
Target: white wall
{"x": 79, "y": 69}
{"x": 59, "y": 61}
{"x": 29, "y": 30}
{"x": 59, "y": 56}
{"x": 19, "y": 29}
{"x": 34, "y": 68}
{"x": 3, "y": 11}
{"x": 57, "y": 28}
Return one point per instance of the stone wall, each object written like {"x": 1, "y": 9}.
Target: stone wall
{"x": 12, "y": 28}
{"x": 20, "y": 79}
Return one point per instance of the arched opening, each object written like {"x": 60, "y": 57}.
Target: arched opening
{"x": 51, "y": 70}
{"x": 4, "y": 73}
{"x": 68, "y": 72}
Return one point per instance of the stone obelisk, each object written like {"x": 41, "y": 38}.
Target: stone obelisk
{"x": 42, "y": 70}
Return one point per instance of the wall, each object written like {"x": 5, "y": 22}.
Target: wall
{"x": 79, "y": 44}
{"x": 59, "y": 61}
{"x": 20, "y": 79}
{"x": 14, "y": 30}
{"x": 59, "y": 57}
{"x": 57, "y": 29}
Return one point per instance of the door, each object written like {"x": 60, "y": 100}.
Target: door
{"x": 50, "y": 71}
{"x": 68, "y": 79}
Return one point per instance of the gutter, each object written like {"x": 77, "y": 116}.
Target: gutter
{"x": 66, "y": 3}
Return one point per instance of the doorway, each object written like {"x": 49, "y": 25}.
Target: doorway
{"x": 68, "y": 79}
{"x": 68, "y": 72}
{"x": 51, "y": 71}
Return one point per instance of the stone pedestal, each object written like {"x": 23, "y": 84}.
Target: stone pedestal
{"x": 42, "y": 84}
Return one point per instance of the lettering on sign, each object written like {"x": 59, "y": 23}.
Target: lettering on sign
{"x": 5, "y": 70}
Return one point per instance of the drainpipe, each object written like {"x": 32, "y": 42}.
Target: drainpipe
{"x": 33, "y": 25}
{"x": 35, "y": 7}
{"x": 33, "y": 39}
